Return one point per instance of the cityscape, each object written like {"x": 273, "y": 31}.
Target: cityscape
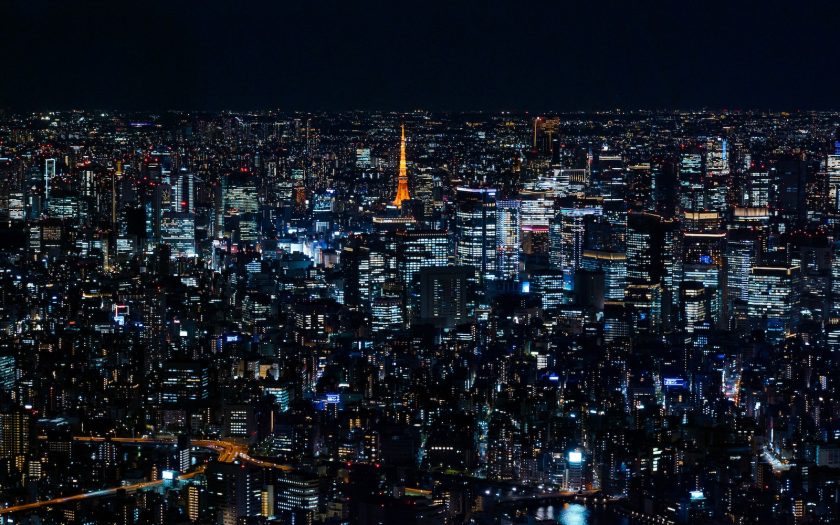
{"x": 437, "y": 318}
{"x": 471, "y": 262}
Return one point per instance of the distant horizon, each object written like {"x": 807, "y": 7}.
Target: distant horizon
{"x": 536, "y": 113}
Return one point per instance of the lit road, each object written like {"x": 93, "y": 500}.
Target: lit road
{"x": 228, "y": 452}
{"x": 95, "y": 494}
{"x": 778, "y": 465}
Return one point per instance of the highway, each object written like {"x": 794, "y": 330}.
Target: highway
{"x": 95, "y": 494}
{"x": 228, "y": 452}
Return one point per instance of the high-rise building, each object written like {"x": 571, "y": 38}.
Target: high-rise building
{"x": 645, "y": 239}
{"x": 702, "y": 261}
{"x": 418, "y": 249}
{"x": 387, "y": 314}
{"x": 609, "y": 177}
{"x": 646, "y": 303}
{"x": 536, "y": 211}
{"x": 475, "y": 229}
{"x": 295, "y": 491}
{"x": 8, "y": 372}
{"x": 701, "y": 221}
{"x": 183, "y": 191}
{"x": 773, "y": 300}
{"x": 567, "y": 233}
{"x": 614, "y": 266}
{"x": 427, "y": 191}
{"x": 664, "y": 176}
{"x": 444, "y": 295}
{"x": 508, "y": 240}
{"x": 691, "y": 182}
{"x": 832, "y": 167}
{"x": 232, "y": 492}
{"x": 355, "y": 265}
{"x": 589, "y": 289}
{"x": 757, "y": 188}
{"x": 363, "y": 158}
{"x": 694, "y": 299}
{"x": 239, "y": 421}
{"x": 49, "y": 175}
{"x": 562, "y": 182}
{"x": 789, "y": 177}
{"x": 641, "y": 188}
{"x": 14, "y": 435}
{"x": 194, "y": 497}
{"x": 548, "y": 285}
{"x": 177, "y": 229}
{"x": 184, "y": 383}
{"x": 741, "y": 252}
{"x": 717, "y": 180}
{"x": 240, "y": 207}
{"x": 833, "y": 324}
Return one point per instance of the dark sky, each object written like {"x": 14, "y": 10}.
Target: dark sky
{"x": 455, "y": 55}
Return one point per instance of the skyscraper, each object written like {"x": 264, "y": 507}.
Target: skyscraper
{"x": 741, "y": 249}
{"x": 646, "y": 300}
{"x": 548, "y": 285}
{"x": 691, "y": 182}
{"x": 508, "y": 238}
{"x": 614, "y": 266}
{"x": 355, "y": 264}
{"x": 832, "y": 166}
{"x": 789, "y": 179}
{"x": 756, "y": 188}
{"x": 568, "y": 236}
{"x": 443, "y": 295}
{"x": 420, "y": 249}
{"x": 14, "y": 434}
{"x": 239, "y": 192}
{"x": 49, "y": 174}
{"x": 386, "y": 314}
{"x": 717, "y": 180}
{"x": 695, "y": 303}
{"x": 415, "y": 250}
{"x": 834, "y": 293}
{"x": 475, "y": 223}
{"x": 773, "y": 298}
{"x": 645, "y": 238}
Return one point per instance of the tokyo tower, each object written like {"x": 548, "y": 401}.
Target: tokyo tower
{"x": 402, "y": 184}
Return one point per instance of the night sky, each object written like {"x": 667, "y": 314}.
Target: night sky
{"x": 455, "y": 55}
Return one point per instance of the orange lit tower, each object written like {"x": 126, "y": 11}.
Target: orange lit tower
{"x": 402, "y": 184}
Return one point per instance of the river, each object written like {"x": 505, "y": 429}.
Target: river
{"x": 576, "y": 514}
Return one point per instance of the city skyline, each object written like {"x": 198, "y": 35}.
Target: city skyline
{"x": 474, "y": 262}
{"x": 423, "y": 317}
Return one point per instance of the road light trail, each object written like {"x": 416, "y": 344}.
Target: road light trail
{"x": 134, "y": 487}
{"x": 229, "y": 451}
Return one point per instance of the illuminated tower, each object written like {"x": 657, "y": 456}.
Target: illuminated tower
{"x": 402, "y": 184}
